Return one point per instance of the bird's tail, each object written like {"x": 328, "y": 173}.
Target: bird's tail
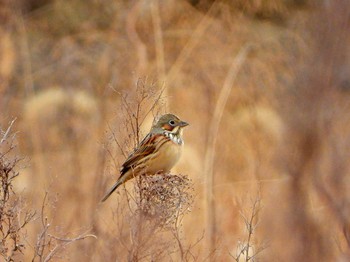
{"x": 114, "y": 187}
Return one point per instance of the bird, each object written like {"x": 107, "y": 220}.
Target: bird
{"x": 157, "y": 152}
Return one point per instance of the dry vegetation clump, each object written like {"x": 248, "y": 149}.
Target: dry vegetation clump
{"x": 17, "y": 216}
{"x": 157, "y": 207}
{"x": 164, "y": 197}
{"x": 14, "y": 215}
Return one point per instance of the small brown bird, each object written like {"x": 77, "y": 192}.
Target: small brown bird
{"x": 158, "y": 151}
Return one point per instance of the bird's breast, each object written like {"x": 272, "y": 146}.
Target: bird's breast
{"x": 167, "y": 156}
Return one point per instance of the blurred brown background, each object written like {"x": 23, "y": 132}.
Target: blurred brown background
{"x": 283, "y": 135}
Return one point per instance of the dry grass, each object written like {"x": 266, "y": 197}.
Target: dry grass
{"x": 14, "y": 217}
{"x": 69, "y": 73}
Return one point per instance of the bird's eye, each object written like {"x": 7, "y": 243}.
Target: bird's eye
{"x": 172, "y": 122}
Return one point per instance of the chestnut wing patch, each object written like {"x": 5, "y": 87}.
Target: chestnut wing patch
{"x": 147, "y": 146}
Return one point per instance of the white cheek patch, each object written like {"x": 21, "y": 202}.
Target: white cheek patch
{"x": 175, "y": 130}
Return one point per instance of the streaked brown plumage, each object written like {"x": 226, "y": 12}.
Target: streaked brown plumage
{"x": 157, "y": 152}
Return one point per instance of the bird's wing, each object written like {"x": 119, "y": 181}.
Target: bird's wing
{"x": 146, "y": 147}
{"x": 149, "y": 145}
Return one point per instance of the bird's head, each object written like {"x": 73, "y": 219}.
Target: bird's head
{"x": 169, "y": 123}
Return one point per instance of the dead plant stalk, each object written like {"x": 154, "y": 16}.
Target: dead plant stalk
{"x": 210, "y": 150}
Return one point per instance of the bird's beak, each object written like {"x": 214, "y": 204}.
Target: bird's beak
{"x": 183, "y": 124}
